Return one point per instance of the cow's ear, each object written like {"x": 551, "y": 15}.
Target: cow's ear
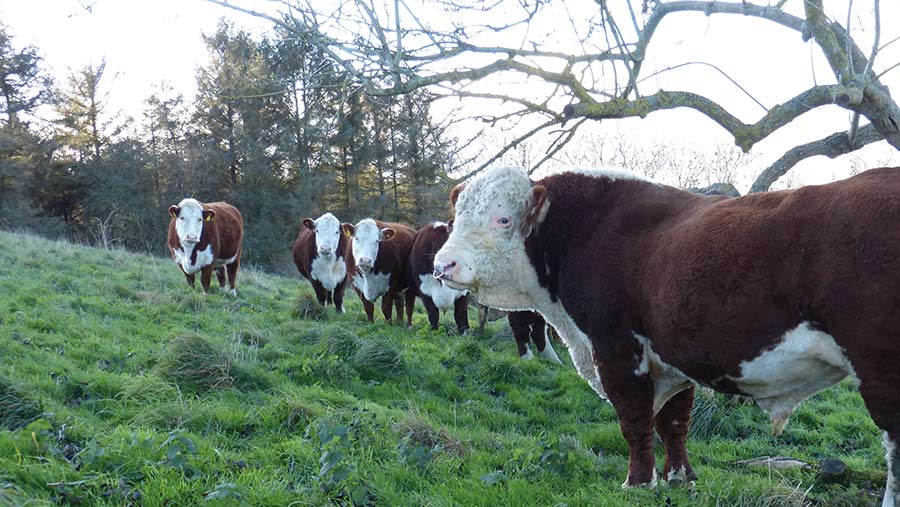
{"x": 450, "y": 225}
{"x": 387, "y": 234}
{"x": 174, "y": 210}
{"x": 454, "y": 195}
{"x": 536, "y": 209}
{"x": 208, "y": 214}
{"x": 309, "y": 224}
{"x": 348, "y": 229}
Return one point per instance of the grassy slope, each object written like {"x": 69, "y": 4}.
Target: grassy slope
{"x": 318, "y": 412}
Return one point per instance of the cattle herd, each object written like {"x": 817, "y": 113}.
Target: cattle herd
{"x": 653, "y": 289}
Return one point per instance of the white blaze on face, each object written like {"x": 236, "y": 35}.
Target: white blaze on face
{"x": 189, "y": 222}
{"x": 485, "y": 244}
{"x": 328, "y": 234}
{"x": 366, "y": 236}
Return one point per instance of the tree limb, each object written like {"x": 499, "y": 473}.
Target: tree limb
{"x": 833, "y": 146}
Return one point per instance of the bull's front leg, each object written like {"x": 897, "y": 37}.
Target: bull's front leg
{"x": 631, "y": 394}
{"x": 190, "y": 279}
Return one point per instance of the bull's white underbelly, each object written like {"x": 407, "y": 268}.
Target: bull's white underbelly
{"x": 802, "y": 364}
{"x": 443, "y": 296}
{"x": 372, "y": 285}
{"x": 329, "y": 271}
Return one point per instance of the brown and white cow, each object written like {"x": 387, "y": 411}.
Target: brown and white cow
{"x": 377, "y": 259}
{"x": 435, "y": 296}
{"x": 319, "y": 254}
{"x": 205, "y": 237}
{"x": 774, "y": 295}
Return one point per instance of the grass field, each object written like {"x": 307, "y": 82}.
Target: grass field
{"x": 120, "y": 386}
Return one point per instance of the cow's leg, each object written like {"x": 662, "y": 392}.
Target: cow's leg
{"x": 387, "y": 303}
{"x": 328, "y": 299}
{"x": 220, "y": 276}
{"x": 482, "y": 319}
{"x": 520, "y": 322}
{"x": 231, "y": 270}
{"x": 434, "y": 315}
{"x": 367, "y": 306}
{"x": 206, "y": 277}
{"x": 631, "y": 395}
{"x": 410, "y": 297}
{"x": 339, "y": 296}
{"x": 672, "y": 424}
{"x": 321, "y": 293}
{"x": 190, "y": 279}
{"x": 398, "y": 306}
{"x": 461, "y": 314}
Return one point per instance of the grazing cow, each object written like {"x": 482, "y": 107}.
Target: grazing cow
{"x": 435, "y": 295}
{"x": 377, "y": 259}
{"x": 319, "y": 255}
{"x": 773, "y": 295}
{"x": 206, "y": 237}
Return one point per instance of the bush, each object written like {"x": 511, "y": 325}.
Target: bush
{"x": 193, "y": 363}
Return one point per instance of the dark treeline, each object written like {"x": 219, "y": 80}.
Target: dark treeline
{"x": 276, "y": 128}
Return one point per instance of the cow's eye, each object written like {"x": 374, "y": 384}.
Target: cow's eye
{"x": 504, "y": 222}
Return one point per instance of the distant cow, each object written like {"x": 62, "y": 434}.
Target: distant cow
{"x": 527, "y": 328}
{"x": 319, "y": 253}
{"x": 377, "y": 259}
{"x": 206, "y": 237}
{"x": 774, "y": 295}
{"x": 435, "y": 295}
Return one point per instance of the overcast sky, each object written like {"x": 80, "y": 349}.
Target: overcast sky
{"x": 148, "y": 42}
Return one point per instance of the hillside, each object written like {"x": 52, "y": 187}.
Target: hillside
{"x": 120, "y": 386}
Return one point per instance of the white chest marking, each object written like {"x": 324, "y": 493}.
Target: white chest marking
{"x": 667, "y": 379}
{"x": 329, "y": 271}
{"x": 225, "y": 262}
{"x": 204, "y": 258}
{"x": 372, "y": 285}
{"x": 443, "y": 296}
{"x": 802, "y": 364}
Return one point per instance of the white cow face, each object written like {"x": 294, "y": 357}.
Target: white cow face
{"x": 486, "y": 248}
{"x": 328, "y": 234}
{"x": 189, "y": 216}
{"x": 366, "y": 237}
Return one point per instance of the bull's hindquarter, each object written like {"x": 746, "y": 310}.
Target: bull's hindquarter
{"x": 775, "y": 296}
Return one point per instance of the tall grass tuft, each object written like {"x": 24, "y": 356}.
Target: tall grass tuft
{"x": 376, "y": 360}
{"x": 308, "y": 308}
{"x": 16, "y": 408}
{"x": 341, "y": 343}
{"x": 194, "y": 363}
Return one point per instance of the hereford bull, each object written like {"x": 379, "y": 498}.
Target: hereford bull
{"x": 377, "y": 258}
{"x": 435, "y": 296}
{"x": 206, "y": 237}
{"x": 319, "y": 253}
{"x": 774, "y": 295}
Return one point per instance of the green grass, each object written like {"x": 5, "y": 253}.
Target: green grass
{"x": 121, "y": 386}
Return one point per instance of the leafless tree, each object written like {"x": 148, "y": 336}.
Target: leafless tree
{"x": 395, "y": 47}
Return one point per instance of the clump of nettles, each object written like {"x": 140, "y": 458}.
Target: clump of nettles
{"x": 16, "y": 408}
{"x": 308, "y": 308}
{"x": 194, "y": 363}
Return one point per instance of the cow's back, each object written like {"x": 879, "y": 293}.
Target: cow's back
{"x": 426, "y": 242}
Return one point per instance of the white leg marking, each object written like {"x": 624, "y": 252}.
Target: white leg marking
{"x": 527, "y": 354}
{"x": 650, "y": 485}
{"x": 891, "y": 489}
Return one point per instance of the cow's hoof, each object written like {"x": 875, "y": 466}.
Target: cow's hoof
{"x": 628, "y": 484}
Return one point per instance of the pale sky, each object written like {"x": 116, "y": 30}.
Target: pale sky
{"x": 148, "y": 42}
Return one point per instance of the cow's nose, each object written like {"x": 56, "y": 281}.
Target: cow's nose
{"x": 365, "y": 261}
{"x": 442, "y": 270}
{"x": 324, "y": 249}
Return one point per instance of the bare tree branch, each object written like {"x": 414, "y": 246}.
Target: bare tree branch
{"x": 835, "y": 145}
